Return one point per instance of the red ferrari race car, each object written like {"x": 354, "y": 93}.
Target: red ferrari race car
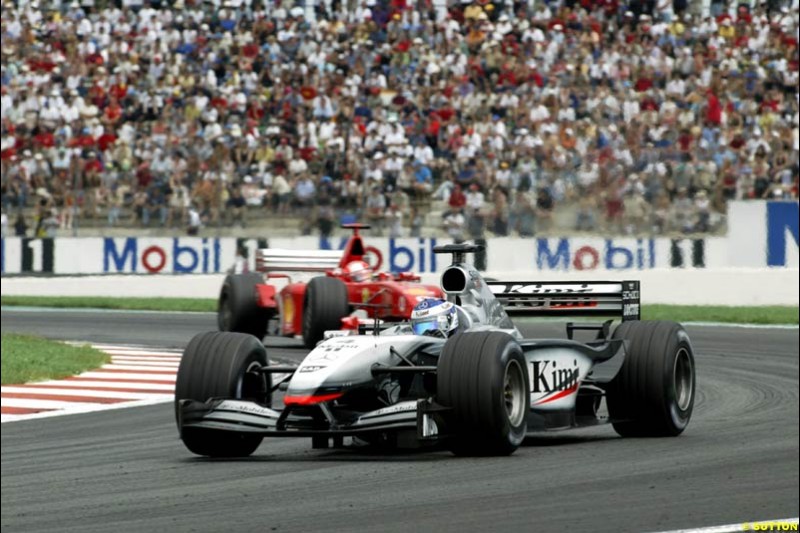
{"x": 248, "y": 302}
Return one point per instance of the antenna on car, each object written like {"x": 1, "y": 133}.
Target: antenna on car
{"x": 355, "y": 226}
{"x": 354, "y": 250}
{"x": 459, "y": 251}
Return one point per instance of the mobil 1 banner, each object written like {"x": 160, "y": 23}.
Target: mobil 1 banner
{"x": 27, "y": 256}
{"x": 588, "y": 254}
{"x": 124, "y": 255}
{"x": 554, "y": 254}
{"x": 211, "y": 255}
{"x": 687, "y": 253}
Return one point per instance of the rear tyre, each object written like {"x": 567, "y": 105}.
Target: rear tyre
{"x": 237, "y": 308}
{"x": 324, "y": 306}
{"x": 653, "y": 393}
{"x": 222, "y": 365}
{"x": 483, "y": 377}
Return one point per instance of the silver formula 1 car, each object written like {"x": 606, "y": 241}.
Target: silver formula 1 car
{"x": 480, "y": 391}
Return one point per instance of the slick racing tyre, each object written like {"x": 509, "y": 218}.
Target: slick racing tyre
{"x": 653, "y": 393}
{"x": 482, "y": 376}
{"x": 237, "y": 309}
{"x": 221, "y": 365}
{"x": 324, "y": 306}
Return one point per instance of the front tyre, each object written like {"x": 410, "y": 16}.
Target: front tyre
{"x": 222, "y": 365}
{"x": 482, "y": 376}
{"x": 653, "y": 393}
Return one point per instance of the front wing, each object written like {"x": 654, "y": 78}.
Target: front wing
{"x": 242, "y": 416}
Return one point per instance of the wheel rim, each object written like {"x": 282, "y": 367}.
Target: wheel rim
{"x": 514, "y": 393}
{"x": 682, "y": 379}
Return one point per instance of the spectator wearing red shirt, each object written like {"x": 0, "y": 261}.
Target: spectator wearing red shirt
{"x": 457, "y": 199}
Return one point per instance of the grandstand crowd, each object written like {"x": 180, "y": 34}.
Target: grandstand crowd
{"x": 644, "y": 116}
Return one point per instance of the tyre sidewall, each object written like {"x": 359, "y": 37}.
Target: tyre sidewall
{"x": 324, "y": 305}
{"x": 214, "y": 365}
{"x": 504, "y": 429}
{"x": 224, "y": 311}
{"x": 238, "y": 299}
{"x": 642, "y": 398}
{"x": 680, "y": 418}
{"x": 471, "y": 381}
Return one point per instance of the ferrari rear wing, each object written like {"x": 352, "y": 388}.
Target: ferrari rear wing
{"x": 559, "y": 298}
{"x": 276, "y": 260}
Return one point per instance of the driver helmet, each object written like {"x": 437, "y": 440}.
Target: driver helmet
{"x": 357, "y": 271}
{"x": 434, "y": 317}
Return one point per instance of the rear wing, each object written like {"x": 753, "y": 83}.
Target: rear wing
{"x": 559, "y": 298}
{"x": 276, "y": 260}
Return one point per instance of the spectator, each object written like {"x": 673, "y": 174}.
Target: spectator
{"x": 586, "y": 217}
{"x": 237, "y": 207}
{"x": 455, "y": 224}
{"x": 523, "y": 213}
{"x": 304, "y": 192}
{"x": 500, "y": 215}
{"x": 544, "y": 209}
{"x": 683, "y": 212}
{"x": 416, "y": 220}
{"x": 281, "y": 193}
{"x": 457, "y": 199}
{"x": 661, "y": 215}
{"x": 702, "y": 209}
{"x": 569, "y": 96}
{"x": 394, "y": 221}
{"x": 325, "y": 215}
{"x": 376, "y": 209}
{"x": 635, "y": 212}
{"x": 178, "y": 202}
{"x": 20, "y": 226}
{"x": 194, "y": 222}
{"x": 114, "y": 202}
{"x": 475, "y": 204}
{"x": 423, "y": 179}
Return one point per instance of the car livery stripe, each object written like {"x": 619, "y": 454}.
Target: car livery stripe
{"x": 557, "y": 396}
{"x": 311, "y": 399}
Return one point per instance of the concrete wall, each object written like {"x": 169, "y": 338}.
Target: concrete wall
{"x": 669, "y": 286}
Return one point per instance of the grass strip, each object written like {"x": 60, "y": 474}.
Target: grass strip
{"x": 773, "y": 314}
{"x": 768, "y": 314}
{"x": 26, "y": 358}
{"x": 113, "y": 302}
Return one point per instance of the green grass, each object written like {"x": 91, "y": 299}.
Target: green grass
{"x": 680, "y": 313}
{"x": 25, "y": 358}
{"x": 111, "y": 302}
{"x": 768, "y": 314}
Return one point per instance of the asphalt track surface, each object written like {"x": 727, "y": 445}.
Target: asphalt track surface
{"x": 126, "y": 470}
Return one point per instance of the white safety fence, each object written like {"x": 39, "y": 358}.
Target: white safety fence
{"x": 732, "y": 286}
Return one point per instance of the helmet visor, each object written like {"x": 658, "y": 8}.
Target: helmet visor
{"x": 420, "y": 327}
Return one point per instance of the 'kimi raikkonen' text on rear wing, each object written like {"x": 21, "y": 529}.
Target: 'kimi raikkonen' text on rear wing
{"x": 557, "y": 298}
